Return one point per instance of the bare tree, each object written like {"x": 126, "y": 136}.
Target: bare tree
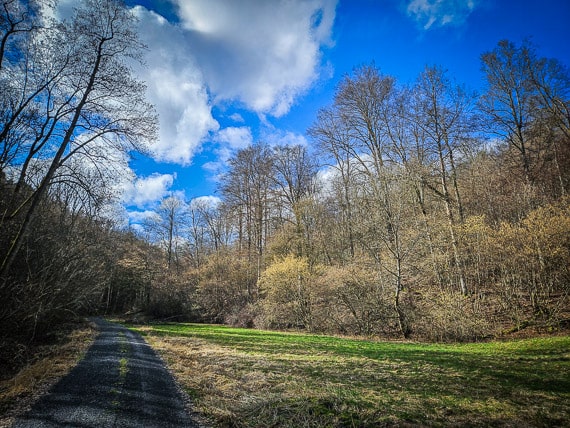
{"x": 168, "y": 227}
{"x": 442, "y": 113}
{"x": 334, "y": 141}
{"x": 551, "y": 127}
{"x": 527, "y": 104}
{"x": 363, "y": 103}
{"x": 508, "y": 102}
{"x": 17, "y": 20}
{"x": 98, "y": 101}
{"x": 211, "y": 224}
{"x": 293, "y": 178}
{"x": 246, "y": 189}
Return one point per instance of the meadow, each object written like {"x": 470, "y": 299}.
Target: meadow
{"x": 251, "y": 378}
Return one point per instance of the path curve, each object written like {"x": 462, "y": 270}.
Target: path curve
{"x": 119, "y": 383}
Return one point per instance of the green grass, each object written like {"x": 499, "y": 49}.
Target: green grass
{"x": 252, "y": 378}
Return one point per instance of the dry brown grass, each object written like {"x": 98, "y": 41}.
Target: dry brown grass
{"x": 49, "y": 364}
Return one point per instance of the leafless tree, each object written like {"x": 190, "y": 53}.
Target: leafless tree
{"x": 293, "y": 177}
{"x": 334, "y": 141}
{"x": 246, "y": 188}
{"x": 442, "y": 111}
{"x": 508, "y": 102}
{"x": 94, "y": 101}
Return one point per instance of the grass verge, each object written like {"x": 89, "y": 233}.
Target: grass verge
{"x": 49, "y": 363}
{"x": 252, "y": 378}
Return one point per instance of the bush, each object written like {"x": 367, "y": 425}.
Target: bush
{"x": 226, "y": 285}
{"x": 450, "y": 317}
{"x": 287, "y": 290}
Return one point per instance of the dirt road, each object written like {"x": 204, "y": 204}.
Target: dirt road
{"x": 120, "y": 383}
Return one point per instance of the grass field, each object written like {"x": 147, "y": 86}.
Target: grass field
{"x": 252, "y": 378}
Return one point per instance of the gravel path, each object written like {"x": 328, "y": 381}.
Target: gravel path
{"x": 120, "y": 383}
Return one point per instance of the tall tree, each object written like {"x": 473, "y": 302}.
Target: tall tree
{"x": 509, "y": 101}
{"x": 97, "y": 101}
{"x": 551, "y": 125}
{"x": 293, "y": 178}
{"x": 334, "y": 141}
{"x": 246, "y": 189}
{"x": 442, "y": 111}
{"x": 364, "y": 104}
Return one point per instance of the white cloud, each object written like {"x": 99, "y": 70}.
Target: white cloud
{"x": 147, "y": 190}
{"x": 232, "y": 139}
{"x": 238, "y": 118}
{"x": 141, "y": 216}
{"x": 263, "y": 54}
{"x": 438, "y": 13}
{"x": 137, "y": 219}
{"x": 205, "y": 202}
{"x": 176, "y": 87}
{"x": 235, "y": 137}
{"x": 229, "y": 140}
{"x": 278, "y": 137}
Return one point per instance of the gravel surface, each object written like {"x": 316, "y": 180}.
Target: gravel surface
{"x": 120, "y": 383}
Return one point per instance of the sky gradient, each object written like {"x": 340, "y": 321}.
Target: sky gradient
{"x": 226, "y": 73}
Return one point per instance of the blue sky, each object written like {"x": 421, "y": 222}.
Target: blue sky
{"x": 226, "y": 73}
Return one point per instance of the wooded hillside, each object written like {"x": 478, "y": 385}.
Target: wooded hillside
{"x": 420, "y": 210}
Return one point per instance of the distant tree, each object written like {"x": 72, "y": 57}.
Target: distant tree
{"x": 527, "y": 105}
{"x": 550, "y": 131}
{"x": 509, "y": 100}
{"x": 293, "y": 177}
{"x": 197, "y": 231}
{"x": 167, "y": 229}
{"x": 246, "y": 189}
{"x": 135, "y": 265}
{"x": 334, "y": 141}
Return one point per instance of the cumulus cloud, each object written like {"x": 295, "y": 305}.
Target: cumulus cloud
{"x": 235, "y": 138}
{"x": 229, "y": 141}
{"x": 279, "y": 137}
{"x": 205, "y": 202}
{"x": 176, "y": 87}
{"x": 137, "y": 217}
{"x": 263, "y": 54}
{"x": 438, "y": 13}
{"x": 147, "y": 190}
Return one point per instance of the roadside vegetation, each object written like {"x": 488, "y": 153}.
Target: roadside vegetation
{"x": 253, "y": 378}
{"x": 38, "y": 368}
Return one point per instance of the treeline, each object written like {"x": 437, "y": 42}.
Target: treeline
{"x": 71, "y": 112}
{"x": 419, "y": 210}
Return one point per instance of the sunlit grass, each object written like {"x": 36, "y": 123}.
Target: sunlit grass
{"x": 253, "y": 378}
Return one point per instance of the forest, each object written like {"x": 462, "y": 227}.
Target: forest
{"x": 422, "y": 211}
